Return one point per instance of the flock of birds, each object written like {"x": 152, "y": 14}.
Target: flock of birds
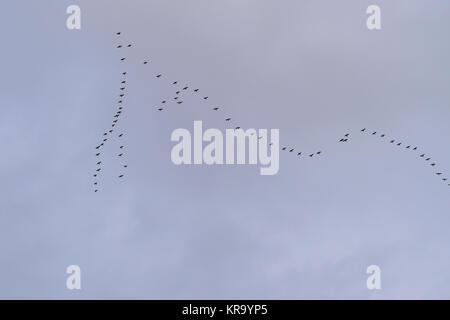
{"x": 178, "y": 99}
{"x": 111, "y": 133}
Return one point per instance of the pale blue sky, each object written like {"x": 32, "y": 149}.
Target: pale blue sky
{"x": 310, "y": 68}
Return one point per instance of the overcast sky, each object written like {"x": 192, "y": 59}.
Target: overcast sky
{"x": 309, "y": 68}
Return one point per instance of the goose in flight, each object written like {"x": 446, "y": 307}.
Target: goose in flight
{"x": 129, "y": 45}
{"x": 145, "y": 62}
{"x": 291, "y": 150}
{"x": 175, "y": 98}
{"x": 216, "y": 108}
{"x": 185, "y": 88}
{"x": 120, "y": 154}
{"x": 319, "y": 152}
{"x": 121, "y": 176}
{"x": 118, "y": 33}
{"x": 399, "y": 144}
{"x": 363, "y": 130}
{"x": 284, "y": 148}
{"x": 95, "y": 183}
{"x": 195, "y": 90}
{"x": 205, "y": 98}
{"x": 122, "y": 59}
{"x": 427, "y": 159}
{"x": 98, "y": 170}
{"x": 408, "y": 147}
{"x": 119, "y": 46}
{"x": 121, "y": 147}
{"x": 95, "y": 175}
{"x": 347, "y": 134}
{"x": 178, "y": 92}
{"x": 227, "y": 119}
{"x": 121, "y": 95}
{"x": 382, "y": 135}
{"x": 123, "y": 88}
{"x": 179, "y": 102}
{"x": 415, "y": 148}
{"x": 422, "y": 155}
{"x": 311, "y": 155}
{"x": 120, "y": 135}
{"x": 433, "y": 164}
{"x": 124, "y": 73}
{"x": 392, "y": 141}
{"x": 237, "y": 128}
{"x": 374, "y": 133}
{"x": 164, "y": 101}
{"x": 175, "y": 82}
{"x": 159, "y": 75}
{"x": 438, "y": 173}
{"x": 125, "y": 166}
{"x": 98, "y": 163}
{"x": 299, "y": 153}
{"x": 160, "y": 109}
{"x": 95, "y": 190}
{"x": 104, "y": 140}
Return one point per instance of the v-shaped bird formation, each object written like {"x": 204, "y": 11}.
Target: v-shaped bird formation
{"x": 177, "y": 99}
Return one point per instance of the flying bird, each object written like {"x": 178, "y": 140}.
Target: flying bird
{"x": 291, "y": 150}
{"x": 205, "y": 98}
{"x": 392, "y": 141}
{"x": 118, "y": 33}
{"x": 121, "y": 176}
{"x": 159, "y": 75}
{"x": 175, "y": 82}
{"x": 145, "y": 62}
{"x": 363, "y": 130}
{"x": 299, "y": 153}
{"x": 185, "y": 88}
{"x": 122, "y": 59}
{"x": 284, "y": 148}
{"x": 120, "y": 135}
{"x": 97, "y": 154}
{"x": 129, "y": 45}
{"x": 374, "y": 133}
{"x": 311, "y": 155}
{"x": 227, "y": 119}
{"x": 180, "y": 102}
{"x": 196, "y": 90}
{"x": 216, "y": 108}
{"x": 160, "y": 109}
{"x": 119, "y": 46}
{"x": 120, "y": 154}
